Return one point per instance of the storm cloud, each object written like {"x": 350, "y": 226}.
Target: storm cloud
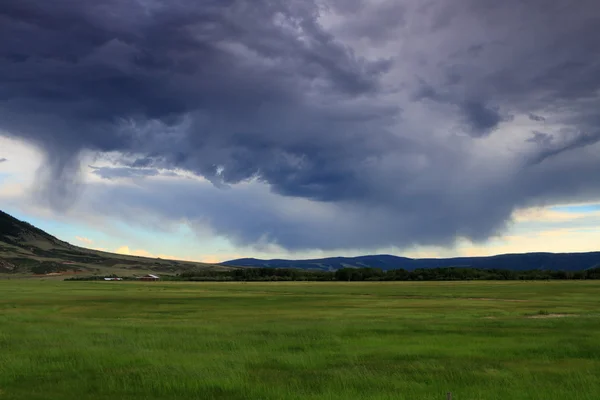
{"x": 392, "y": 123}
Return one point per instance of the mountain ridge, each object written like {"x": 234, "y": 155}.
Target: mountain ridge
{"x": 512, "y": 261}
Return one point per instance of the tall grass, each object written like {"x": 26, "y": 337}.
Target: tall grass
{"x": 118, "y": 340}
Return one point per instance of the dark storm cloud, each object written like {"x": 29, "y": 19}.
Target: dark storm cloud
{"x": 390, "y": 140}
{"x": 230, "y": 90}
{"x": 481, "y": 117}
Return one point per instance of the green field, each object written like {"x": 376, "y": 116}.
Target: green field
{"x": 133, "y": 340}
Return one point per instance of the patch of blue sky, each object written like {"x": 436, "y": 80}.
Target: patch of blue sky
{"x": 62, "y": 230}
{"x": 578, "y": 208}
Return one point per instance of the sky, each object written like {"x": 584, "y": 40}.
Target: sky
{"x": 212, "y": 130}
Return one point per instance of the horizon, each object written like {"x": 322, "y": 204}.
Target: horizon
{"x": 326, "y": 128}
{"x": 309, "y": 259}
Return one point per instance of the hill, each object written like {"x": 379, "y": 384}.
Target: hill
{"x": 516, "y": 262}
{"x": 26, "y": 250}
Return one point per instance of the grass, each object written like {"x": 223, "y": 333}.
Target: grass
{"x": 402, "y": 340}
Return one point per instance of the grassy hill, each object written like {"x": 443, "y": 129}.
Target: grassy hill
{"x": 28, "y": 251}
{"x": 516, "y": 262}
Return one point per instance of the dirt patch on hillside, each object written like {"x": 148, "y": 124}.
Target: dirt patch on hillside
{"x": 59, "y": 273}
{"x": 6, "y": 266}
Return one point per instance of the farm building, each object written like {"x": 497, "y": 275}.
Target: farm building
{"x": 113, "y": 279}
{"x": 149, "y": 277}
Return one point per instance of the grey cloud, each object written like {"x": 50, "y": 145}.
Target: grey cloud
{"x": 544, "y": 66}
{"x": 541, "y": 138}
{"x": 378, "y": 22}
{"x": 537, "y": 118}
{"x": 475, "y": 49}
{"x": 291, "y": 98}
{"x": 142, "y": 162}
{"x": 479, "y": 118}
{"x": 570, "y": 142}
{"x": 123, "y": 172}
{"x": 250, "y": 215}
{"x": 3, "y": 160}
{"x": 482, "y": 118}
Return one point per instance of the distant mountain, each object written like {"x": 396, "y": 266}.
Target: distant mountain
{"x": 328, "y": 264}
{"x": 516, "y": 262}
{"x": 27, "y": 250}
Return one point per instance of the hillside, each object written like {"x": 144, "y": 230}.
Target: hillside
{"x": 516, "y": 262}
{"x": 26, "y": 250}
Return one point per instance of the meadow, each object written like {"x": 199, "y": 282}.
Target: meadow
{"x": 368, "y": 340}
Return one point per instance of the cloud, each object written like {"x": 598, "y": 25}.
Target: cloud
{"x": 482, "y": 118}
{"x": 546, "y": 215}
{"x": 386, "y": 123}
{"x": 3, "y": 160}
{"x": 551, "y": 145}
{"x": 206, "y": 97}
{"x": 123, "y": 172}
{"x": 84, "y": 240}
{"x": 251, "y": 215}
{"x": 537, "y": 118}
{"x": 125, "y": 250}
{"x": 139, "y": 252}
{"x": 541, "y": 138}
{"x": 378, "y": 22}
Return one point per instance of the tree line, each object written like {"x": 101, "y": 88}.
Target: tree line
{"x": 374, "y": 274}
